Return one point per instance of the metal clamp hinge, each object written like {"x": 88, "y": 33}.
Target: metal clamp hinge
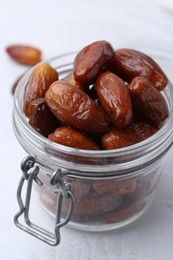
{"x": 30, "y": 172}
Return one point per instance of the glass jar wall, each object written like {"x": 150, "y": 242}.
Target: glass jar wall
{"x": 111, "y": 188}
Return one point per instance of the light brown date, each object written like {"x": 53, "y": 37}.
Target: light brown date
{"x": 115, "y": 99}
{"x": 39, "y": 81}
{"x": 130, "y": 63}
{"x": 75, "y": 108}
{"x": 72, "y": 138}
{"x": 148, "y": 101}
{"x": 91, "y": 61}
{"x": 24, "y": 54}
{"x": 118, "y": 138}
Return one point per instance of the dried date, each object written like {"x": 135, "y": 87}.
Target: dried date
{"x": 115, "y": 99}
{"x": 148, "y": 102}
{"x": 130, "y": 63}
{"x": 24, "y": 54}
{"x": 72, "y": 138}
{"x": 118, "y": 138}
{"x": 39, "y": 81}
{"x": 91, "y": 61}
{"x": 75, "y": 108}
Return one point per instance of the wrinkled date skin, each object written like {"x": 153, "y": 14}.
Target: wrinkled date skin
{"x": 118, "y": 138}
{"x": 75, "y": 108}
{"x": 41, "y": 118}
{"x": 91, "y": 61}
{"x": 131, "y": 63}
{"x": 148, "y": 101}
{"x": 115, "y": 99}
{"x": 39, "y": 81}
{"x": 72, "y": 138}
{"x": 24, "y": 54}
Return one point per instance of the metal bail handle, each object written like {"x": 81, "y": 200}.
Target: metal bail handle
{"x": 30, "y": 172}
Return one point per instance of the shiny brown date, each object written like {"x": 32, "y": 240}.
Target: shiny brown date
{"x": 148, "y": 101}
{"x": 130, "y": 63}
{"x": 70, "y": 137}
{"x": 117, "y": 138}
{"x": 91, "y": 61}
{"x": 75, "y": 108}
{"x": 41, "y": 118}
{"x": 115, "y": 99}
{"x": 39, "y": 81}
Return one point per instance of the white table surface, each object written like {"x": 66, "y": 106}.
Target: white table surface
{"x": 57, "y": 27}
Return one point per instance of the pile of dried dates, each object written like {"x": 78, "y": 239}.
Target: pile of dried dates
{"x": 111, "y": 99}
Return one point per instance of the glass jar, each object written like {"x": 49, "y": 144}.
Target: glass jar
{"x": 89, "y": 190}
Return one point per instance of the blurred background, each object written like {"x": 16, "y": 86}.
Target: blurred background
{"x": 58, "y": 27}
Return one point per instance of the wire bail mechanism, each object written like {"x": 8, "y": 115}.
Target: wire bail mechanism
{"x": 30, "y": 172}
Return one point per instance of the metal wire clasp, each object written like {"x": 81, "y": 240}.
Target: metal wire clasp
{"x": 30, "y": 172}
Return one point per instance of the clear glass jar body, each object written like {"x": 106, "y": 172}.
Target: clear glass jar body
{"x": 111, "y": 188}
